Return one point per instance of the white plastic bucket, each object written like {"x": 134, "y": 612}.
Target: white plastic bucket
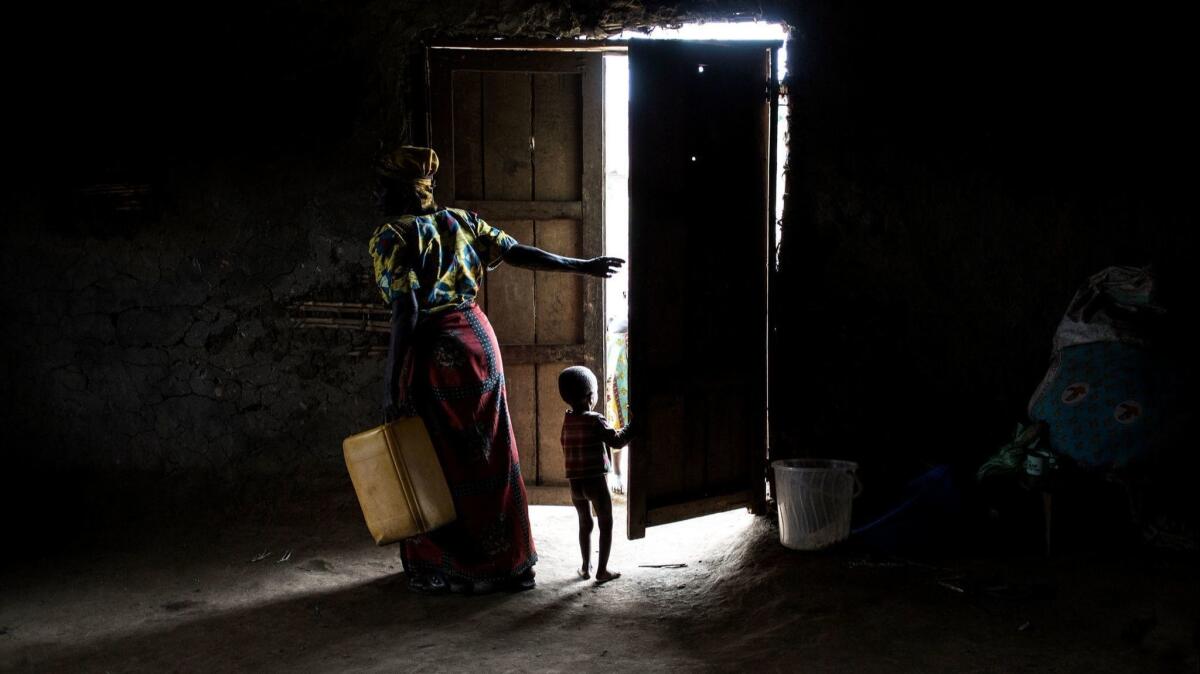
{"x": 814, "y": 499}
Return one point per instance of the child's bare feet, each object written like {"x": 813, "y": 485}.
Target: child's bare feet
{"x": 584, "y": 573}
{"x": 606, "y": 575}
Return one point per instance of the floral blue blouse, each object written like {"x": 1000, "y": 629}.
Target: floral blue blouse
{"x": 441, "y": 256}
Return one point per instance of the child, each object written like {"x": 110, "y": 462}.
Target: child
{"x": 586, "y": 438}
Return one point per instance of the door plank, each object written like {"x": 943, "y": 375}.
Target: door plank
{"x": 669, "y": 437}
{"x": 723, "y": 468}
{"x": 558, "y": 136}
{"x": 521, "y": 210}
{"x": 699, "y": 216}
{"x": 507, "y": 127}
{"x": 511, "y": 60}
{"x": 699, "y": 508}
{"x": 559, "y": 495}
{"x": 545, "y": 353}
{"x": 560, "y": 296}
{"x": 521, "y": 384}
{"x": 551, "y": 468}
{"x": 697, "y": 432}
{"x": 467, "y": 92}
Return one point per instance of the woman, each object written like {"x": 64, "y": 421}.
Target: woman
{"x": 429, "y": 262}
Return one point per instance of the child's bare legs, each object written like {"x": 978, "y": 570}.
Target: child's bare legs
{"x": 603, "y": 503}
{"x": 585, "y": 536}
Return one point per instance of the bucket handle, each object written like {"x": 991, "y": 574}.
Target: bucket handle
{"x": 858, "y": 486}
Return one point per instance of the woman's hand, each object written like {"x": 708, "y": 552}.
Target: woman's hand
{"x": 603, "y": 267}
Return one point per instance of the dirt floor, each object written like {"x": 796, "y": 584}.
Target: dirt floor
{"x": 316, "y": 596}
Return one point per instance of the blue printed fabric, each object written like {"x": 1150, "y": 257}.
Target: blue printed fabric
{"x": 1103, "y": 403}
{"x": 441, "y": 257}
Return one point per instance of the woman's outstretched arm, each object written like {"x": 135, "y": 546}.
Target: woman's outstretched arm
{"x": 404, "y": 319}
{"x": 530, "y": 257}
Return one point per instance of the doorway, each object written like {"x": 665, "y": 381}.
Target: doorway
{"x": 537, "y": 140}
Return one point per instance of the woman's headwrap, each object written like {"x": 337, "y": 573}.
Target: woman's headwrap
{"x": 409, "y": 163}
{"x": 413, "y": 165}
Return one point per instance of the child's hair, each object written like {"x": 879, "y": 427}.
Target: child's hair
{"x": 574, "y": 383}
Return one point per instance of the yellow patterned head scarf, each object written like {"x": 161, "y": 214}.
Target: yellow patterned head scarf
{"x": 415, "y": 165}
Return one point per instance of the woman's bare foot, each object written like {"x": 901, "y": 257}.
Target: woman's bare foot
{"x": 606, "y": 575}
{"x": 584, "y": 574}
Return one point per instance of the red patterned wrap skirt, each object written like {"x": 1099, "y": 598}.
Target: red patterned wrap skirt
{"x": 456, "y": 382}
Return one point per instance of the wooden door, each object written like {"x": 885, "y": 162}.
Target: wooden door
{"x": 699, "y": 130}
{"x": 520, "y": 137}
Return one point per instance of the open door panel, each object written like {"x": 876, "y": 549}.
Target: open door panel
{"x": 699, "y": 129}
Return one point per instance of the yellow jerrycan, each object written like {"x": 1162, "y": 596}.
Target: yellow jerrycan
{"x": 399, "y": 480}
